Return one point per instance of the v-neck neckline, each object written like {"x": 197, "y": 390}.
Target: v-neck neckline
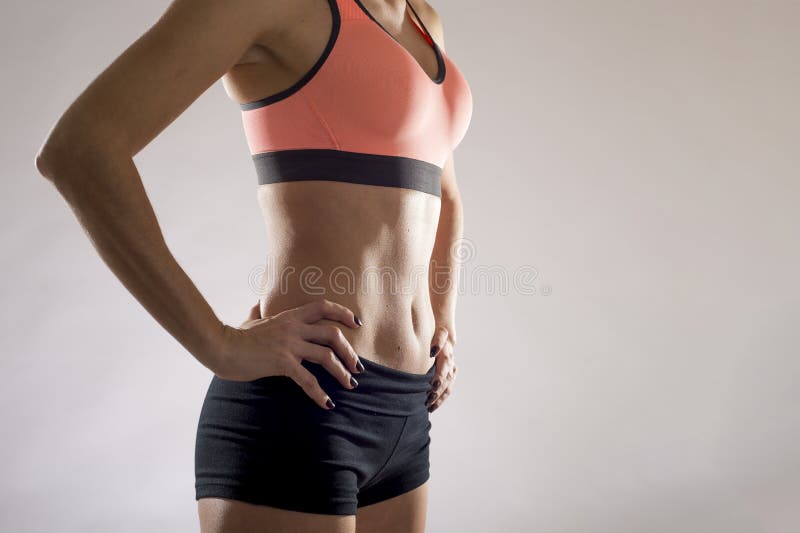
{"x": 441, "y": 72}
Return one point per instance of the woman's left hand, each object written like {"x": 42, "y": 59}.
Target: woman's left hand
{"x": 445, "y": 376}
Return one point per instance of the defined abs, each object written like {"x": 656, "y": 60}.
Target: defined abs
{"x": 365, "y": 247}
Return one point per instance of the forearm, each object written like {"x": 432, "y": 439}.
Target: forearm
{"x": 105, "y": 192}
{"x": 444, "y": 267}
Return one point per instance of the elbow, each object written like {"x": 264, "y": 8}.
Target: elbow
{"x": 45, "y": 162}
{"x": 69, "y": 148}
{"x": 53, "y": 154}
{"x": 65, "y": 157}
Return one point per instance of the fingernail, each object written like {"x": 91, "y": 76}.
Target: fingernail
{"x": 432, "y": 409}
{"x": 434, "y": 350}
{"x": 353, "y": 382}
{"x": 357, "y": 320}
{"x": 330, "y": 404}
{"x": 359, "y": 366}
{"x": 436, "y": 383}
{"x": 431, "y": 397}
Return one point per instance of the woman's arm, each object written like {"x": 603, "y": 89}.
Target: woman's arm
{"x": 444, "y": 259}
{"x": 444, "y": 265}
{"x": 88, "y": 156}
{"x": 444, "y": 287}
{"x": 444, "y": 270}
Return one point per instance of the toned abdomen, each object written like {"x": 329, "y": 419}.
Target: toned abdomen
{"x": 366, "y": 247}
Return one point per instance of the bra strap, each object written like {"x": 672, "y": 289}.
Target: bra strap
{"x": 426, "y": 34}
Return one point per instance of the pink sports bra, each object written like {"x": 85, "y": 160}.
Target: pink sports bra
{"x": 366, "y": 112}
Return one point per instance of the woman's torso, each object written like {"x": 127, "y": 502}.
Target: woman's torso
{"x": 364, "y": 246}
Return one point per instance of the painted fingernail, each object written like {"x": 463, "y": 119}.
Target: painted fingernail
{"x": 431, "y": 397}
{"x": 353, "y": 382}
{"x": 433, "y": 408}
{"x": 329, "y": 404}
{"x": 436, "y": 383}
{"x": 357, "y": 320}
{"x": 359, "y": 366}
{"x": 434, "y": 350}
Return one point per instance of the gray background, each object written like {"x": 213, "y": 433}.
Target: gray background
{"x": 641, "y": 156}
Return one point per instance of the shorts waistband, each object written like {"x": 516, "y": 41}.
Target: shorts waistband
{"x": 381, "y": 389}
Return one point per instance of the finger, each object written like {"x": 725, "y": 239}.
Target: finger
{"x": 326, "y": 357}
{"x": 446, "y": 394}
{"x": 449, "y": 377}
{"x": 438, "y": 377}
{"x": 439, "y": 401}
{"x": 439, "y": 339}
{"x": 432, "y": 396}
{"x": 441, "y": 393}
{"x": 444, "y": 365}
{"x": 310, "y": 385}
{"x": 319, "y": 309}
{"x": 332, "y": 336}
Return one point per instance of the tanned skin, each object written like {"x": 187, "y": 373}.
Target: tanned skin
{"x": 259, "y": 47}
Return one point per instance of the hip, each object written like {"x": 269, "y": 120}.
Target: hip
{"x": 266, "y": 442}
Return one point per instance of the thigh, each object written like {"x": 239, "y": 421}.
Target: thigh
{"x": 405, "y": 513}
{"x": 219, "y": 515}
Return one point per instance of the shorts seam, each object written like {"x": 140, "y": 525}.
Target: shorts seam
{"x": 391, "y": 454}
{"x": 396, "y": 487}
{"x": 237, "y": 492}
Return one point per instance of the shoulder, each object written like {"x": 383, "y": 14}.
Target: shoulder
{"x": 270, "y": 18}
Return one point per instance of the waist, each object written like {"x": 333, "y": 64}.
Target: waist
{"x": 397, "y": 328}
{"x": 381, "y": 389}
{"x": 367, "y": 248}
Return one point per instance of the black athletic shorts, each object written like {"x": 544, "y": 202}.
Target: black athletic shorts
{"x": 266, "y": 442}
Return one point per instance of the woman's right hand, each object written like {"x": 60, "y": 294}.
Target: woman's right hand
{"x": 275, "y": 346}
